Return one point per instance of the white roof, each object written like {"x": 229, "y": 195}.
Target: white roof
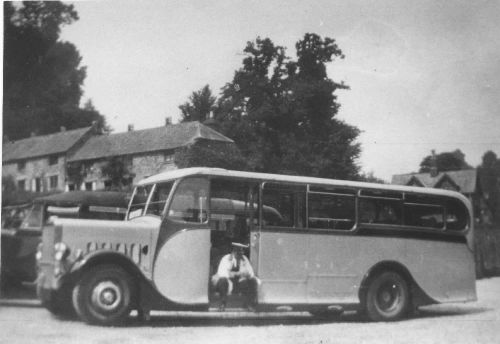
{"x": 206, "y": 171}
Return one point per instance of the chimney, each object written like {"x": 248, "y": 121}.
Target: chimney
{"x": 130, "y": 127}
{"x": 63, "y": 128}
{"x": 434, "y": 169}
{"x": 168, "y": 121}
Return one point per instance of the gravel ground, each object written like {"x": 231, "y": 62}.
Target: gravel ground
{"x": 478, "y": 322}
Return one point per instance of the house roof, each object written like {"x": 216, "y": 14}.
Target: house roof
{"x": 44, "y": 145}
{"x": 465, "y": 180}
{"x": 147, "y": 140}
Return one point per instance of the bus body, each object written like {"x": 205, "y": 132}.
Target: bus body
{"x": 316, "y": 245}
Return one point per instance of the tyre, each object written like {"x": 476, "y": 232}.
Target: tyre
{"x": 104, "y": 295}
{"x": 60, "y": 303}
{"x": 387, "y": 297}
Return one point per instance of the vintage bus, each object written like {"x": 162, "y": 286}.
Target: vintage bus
{"x": 317, "y": 245}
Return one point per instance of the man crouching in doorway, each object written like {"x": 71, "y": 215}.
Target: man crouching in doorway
{"x": 235, "y": 271}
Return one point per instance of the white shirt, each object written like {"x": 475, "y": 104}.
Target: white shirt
{"x": 229, "y": 262}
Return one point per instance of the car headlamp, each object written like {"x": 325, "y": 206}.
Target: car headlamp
{"x": 61, "y": 251}
{"x": 39, "y": 252}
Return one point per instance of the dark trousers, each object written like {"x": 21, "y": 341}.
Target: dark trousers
{"x": 247, "y": 286}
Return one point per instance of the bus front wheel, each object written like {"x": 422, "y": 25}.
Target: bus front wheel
{"x": 104, "y": 295}
{"x": 387, "y": 297}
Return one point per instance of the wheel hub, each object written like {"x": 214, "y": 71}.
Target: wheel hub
{"x": 388, "y": 297}
{"x": 106, "y": 295}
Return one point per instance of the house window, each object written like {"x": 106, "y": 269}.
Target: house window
{"x": 21, "y": 165}
{"x": 21, "y": 184}
{"x": 108, "y": 184}
{"x": 38, "y": 184}
{"x": 71, "y": 187}
{"x": 53, "y": 182}
{"x": 168, "y": 158}
{"x": 53, "y": 160}
{"x": 88, "y": 186}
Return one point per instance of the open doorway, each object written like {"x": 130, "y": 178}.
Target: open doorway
{"x": 234, "y": 213}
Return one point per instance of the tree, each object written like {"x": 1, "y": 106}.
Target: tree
{"x": 43, "y": 77}
{"x": 199, "y": 106}
{"x": 489, "y": 176}
{"x": 447, "y": 161}
{"x": 370, "y": 178}
{"x": 117, "y": 170}
{"x": 281, "y": 113}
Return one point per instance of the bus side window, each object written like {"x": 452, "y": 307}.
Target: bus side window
{"x": 380, "y": 208}
{"x": 423, "y": 211}
{"x": 456, "y": 215}
{"x": 284, "y": 205}
{"x": 331, "y": 211}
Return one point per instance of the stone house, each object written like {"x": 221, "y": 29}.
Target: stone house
{"x": 143, "y": 152}
{"x": 38, "y": 163}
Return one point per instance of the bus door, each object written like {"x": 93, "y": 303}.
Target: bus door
{"x": 283, "y": 244}
{"x": 183, "y": 254}
{"x": 233, "y": 218}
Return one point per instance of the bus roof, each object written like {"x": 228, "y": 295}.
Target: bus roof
{"x": 206, "y": 171}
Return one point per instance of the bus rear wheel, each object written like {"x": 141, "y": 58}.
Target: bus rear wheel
{"x": 104, "y": 295}
{"x": 387, "y": 297}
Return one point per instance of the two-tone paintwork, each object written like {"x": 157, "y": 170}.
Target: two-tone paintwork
{"x": 295, "y": 267}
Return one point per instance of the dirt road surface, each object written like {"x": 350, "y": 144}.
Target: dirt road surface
{"x": 477, "y": 322}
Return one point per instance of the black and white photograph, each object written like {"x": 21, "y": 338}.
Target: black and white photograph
{"x": 259, "y": 171}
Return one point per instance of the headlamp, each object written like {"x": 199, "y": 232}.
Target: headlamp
{"x": 62, "y": 251}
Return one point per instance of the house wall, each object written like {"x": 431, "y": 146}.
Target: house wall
{"x": 141, "y": 166}
{"x": 147, "y": 165}
{"x": 93, "y": 177}
{"x": 38, "y": 168}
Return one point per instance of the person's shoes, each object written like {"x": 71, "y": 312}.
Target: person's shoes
{"x": 222, "y": 307}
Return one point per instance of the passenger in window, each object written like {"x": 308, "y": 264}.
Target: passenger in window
{"x": 387, "y": 215}
{"x": 236, "y": 273}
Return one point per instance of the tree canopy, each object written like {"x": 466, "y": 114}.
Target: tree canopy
{"x": 281, "y": 112}
{"x": 489, "y": 176}
{"x": 446, "y": 161}
{"x": 43, "y": 77}
{"x": 199, "y": 106}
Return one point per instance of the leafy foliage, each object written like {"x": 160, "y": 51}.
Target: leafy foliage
{"x": 370, "y": 178}
{"x": 447, "y": 161}
{"x": 199, "y": 106}
{"x": 42, "y": 75}
{"x": 489, "y": 176}
{"x": 75, "y": 172}
{"x": 117, "y": 170}
{"x": 281, "y": 112}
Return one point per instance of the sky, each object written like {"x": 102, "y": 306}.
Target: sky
{"x": 423, "y": 75}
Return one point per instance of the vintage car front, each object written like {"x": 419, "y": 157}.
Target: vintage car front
{"x": 71, "y": 245}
